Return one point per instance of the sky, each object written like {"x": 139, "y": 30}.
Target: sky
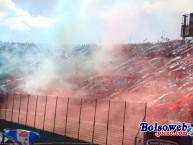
{"x": 91, "y": 21}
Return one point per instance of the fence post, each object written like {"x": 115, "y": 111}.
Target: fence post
{"x": 19, "y": 107}
{"x": 0, "y": 108}
{"x": 80, "y": 117}
{"x": 108, "y": 122}
{"x": 12, "y": 107}
{"x": 124, "y": 122}
{"x": 27, "y": 109}
{"x": 45, "y": 112}
{"x": 35, "y": 111}
{"x": 0, "y": 111}
{"x": 1, "y": 94}
{"x": 66, "y": 116}
{"x": 55, "y": 113}
{"x": 6, "y": 107}
{"x": 144, "y": 137}
{"x": 94, "y": 121}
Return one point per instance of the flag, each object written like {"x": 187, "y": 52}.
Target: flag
{"x": 22, "y": 137}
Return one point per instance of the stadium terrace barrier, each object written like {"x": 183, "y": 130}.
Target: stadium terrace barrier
{"x": 95, "y": 121}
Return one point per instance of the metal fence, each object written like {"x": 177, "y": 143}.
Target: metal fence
{"x": 96, "y": 121}
{"x": 54, "y": 143}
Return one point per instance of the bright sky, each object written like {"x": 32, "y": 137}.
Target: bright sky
{"x": 91, "y": 21}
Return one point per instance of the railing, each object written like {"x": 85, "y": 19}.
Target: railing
{"x": 95, "y": 121}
